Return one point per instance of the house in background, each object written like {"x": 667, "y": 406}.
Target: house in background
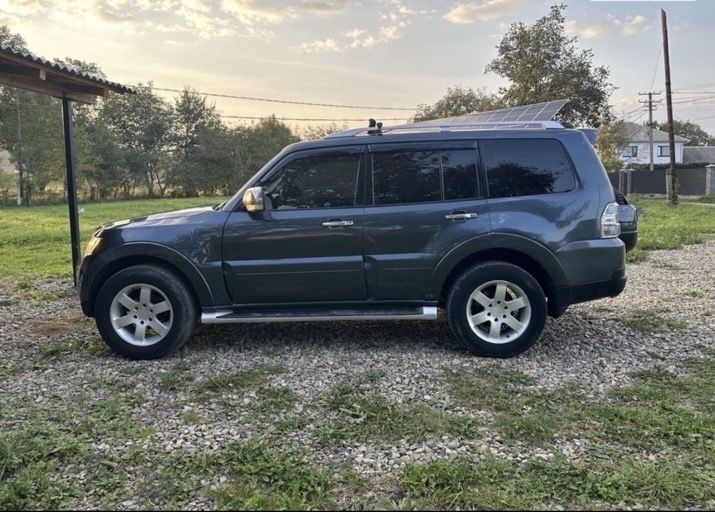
{"x": 637, "y": 151}
{"x": 699, "y": 155}
{"x": 6, "y": 165}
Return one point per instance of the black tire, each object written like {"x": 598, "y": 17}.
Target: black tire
{"x": 184, "y": 310}
{"x": 483, "y": 273}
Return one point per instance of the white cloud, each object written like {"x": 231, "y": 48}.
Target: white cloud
{"x": 20, "y": 7}
{"x": 202, "y": 18}
{"x": 611, "y": 25}
{"x": 484, "y": 10}
{"x": 328, "y": 44}
{"x": 394, "y": 20}
{"x": 276, "y": 11}
{"x": 634, "y": 25}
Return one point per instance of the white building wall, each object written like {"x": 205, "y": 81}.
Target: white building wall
{"x": 644, "y": 154}
{"x": 5, "y": 164}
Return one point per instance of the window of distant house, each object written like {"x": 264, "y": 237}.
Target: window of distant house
{"x": 663, "y": 151}
{"x": 630, "y": 152}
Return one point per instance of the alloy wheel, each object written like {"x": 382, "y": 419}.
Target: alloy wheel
{"x": 498, "y": 312}
{"x": 141, "y": 314}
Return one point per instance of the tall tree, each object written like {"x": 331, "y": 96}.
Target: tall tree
{"x": 692, "y": 131}
{"x": 319, "y": 131}
{"x": 142, "y": 123}
{"x": 260, "y": 142}
{"x": 193, "y": 115}
{"x": 613, "y": 136}
{"x": 11, "y": 40}
{"x": 458, "y": 101}
{"x": 543, "y": 63}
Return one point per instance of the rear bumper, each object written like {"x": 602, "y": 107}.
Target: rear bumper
{"x": 595, "y": 269}
{"x": 562, "y": 298}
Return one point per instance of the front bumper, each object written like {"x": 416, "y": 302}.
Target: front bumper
{"x": 84, "y": 285}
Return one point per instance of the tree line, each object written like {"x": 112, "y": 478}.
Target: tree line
{"x": 143, "y": 145}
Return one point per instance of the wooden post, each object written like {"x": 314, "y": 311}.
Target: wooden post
{"x": 671, "y": 180}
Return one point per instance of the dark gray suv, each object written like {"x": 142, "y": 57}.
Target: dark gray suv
{"x": 499, "y": 225}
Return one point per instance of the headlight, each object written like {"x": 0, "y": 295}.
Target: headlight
{"x": 93, "y": 245}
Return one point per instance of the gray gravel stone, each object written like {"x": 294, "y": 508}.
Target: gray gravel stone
{"x": 588, "y": 346}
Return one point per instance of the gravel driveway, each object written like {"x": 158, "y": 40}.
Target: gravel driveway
{"x": 268, "y": 381}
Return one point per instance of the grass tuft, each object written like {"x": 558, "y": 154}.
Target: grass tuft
{"x": 238, "y": 381}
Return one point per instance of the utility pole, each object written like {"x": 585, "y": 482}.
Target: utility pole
{"x": 651, "y": 107}
{"x": 20, "y": 183}
{"x": 671, "y": 180}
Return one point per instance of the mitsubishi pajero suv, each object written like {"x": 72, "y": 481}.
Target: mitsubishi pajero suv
{"x": 499, "y": 225}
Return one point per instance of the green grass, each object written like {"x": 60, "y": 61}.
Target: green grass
{"x": 359, "y": 416}
{"x": 274, "y": 400}
{"x": 646, "y": 445}
{"x": 493, "y": 484}
{"x": 35, "y": 240}
{"x": 661, "y": 226}
{"x": 258, "y": 477}
{"x": 668, "y": 415}
{"x": 651, "y": 320}
{"x": 521, "y": 412}
{"x": 232, "y": 382}
{"x": 704, "y": 199}
{"x": 178, "y": 377}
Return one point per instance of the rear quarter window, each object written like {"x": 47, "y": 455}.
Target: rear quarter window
{"x": 525, "y": 167}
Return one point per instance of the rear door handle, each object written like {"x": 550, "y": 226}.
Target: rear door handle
{"x": 461, "y": 216}
{"x": 337, "y": 223}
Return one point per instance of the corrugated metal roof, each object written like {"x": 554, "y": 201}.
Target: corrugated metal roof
{"x": 64, "y": 69}
{"x": 639, "y": 133}
{"x": 699, "y": 155}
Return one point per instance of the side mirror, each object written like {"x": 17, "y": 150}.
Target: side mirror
{"x": 253, "y": 200}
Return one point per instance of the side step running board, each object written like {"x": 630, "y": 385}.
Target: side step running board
{"x": 322, "y": 315}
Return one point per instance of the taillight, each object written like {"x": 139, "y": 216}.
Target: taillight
{"x": 610, "y": 227}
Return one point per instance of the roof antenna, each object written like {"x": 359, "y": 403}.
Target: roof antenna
{"x": 374, "y": 128}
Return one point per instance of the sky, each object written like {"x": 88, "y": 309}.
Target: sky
{"x": 377, "y": 53}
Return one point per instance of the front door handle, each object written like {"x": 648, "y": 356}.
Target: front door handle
{"x": 337, "y": 223}
{"x": 461, "y": 216}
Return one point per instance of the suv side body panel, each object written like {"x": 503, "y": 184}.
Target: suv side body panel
{"x": 403, "y": 243}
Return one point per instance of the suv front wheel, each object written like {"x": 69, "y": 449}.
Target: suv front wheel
{"x": 145, "y": 312}
{"x": 497, "y": 309}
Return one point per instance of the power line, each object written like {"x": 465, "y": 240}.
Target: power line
{"x": 285, "y": 102}
{"x": 655, "y": 71}
{"x": 695, "y": 86}
{"x": 694, "y": 100}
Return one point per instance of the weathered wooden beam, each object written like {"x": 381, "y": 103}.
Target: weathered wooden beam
{"x": 26, "y": 71}
{"x": 74, "y": 86}
{"x": 46, "y": 87}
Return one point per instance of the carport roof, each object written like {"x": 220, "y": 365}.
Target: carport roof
{"x": 25, "y": 70}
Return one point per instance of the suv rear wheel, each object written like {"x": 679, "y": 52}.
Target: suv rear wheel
{"x": 145, "y": 312}
{"x": 497, "y": 309}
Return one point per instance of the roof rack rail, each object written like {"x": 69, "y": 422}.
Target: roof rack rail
{"x": 409, "y": 129}
{"x": 538, "y": 116}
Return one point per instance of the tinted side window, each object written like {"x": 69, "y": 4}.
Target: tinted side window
{"x": 406, "y": 177}
{"x": 459, "y": 174}
{"x": 318, "y": 181}
{"x": 526, "y": 167}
